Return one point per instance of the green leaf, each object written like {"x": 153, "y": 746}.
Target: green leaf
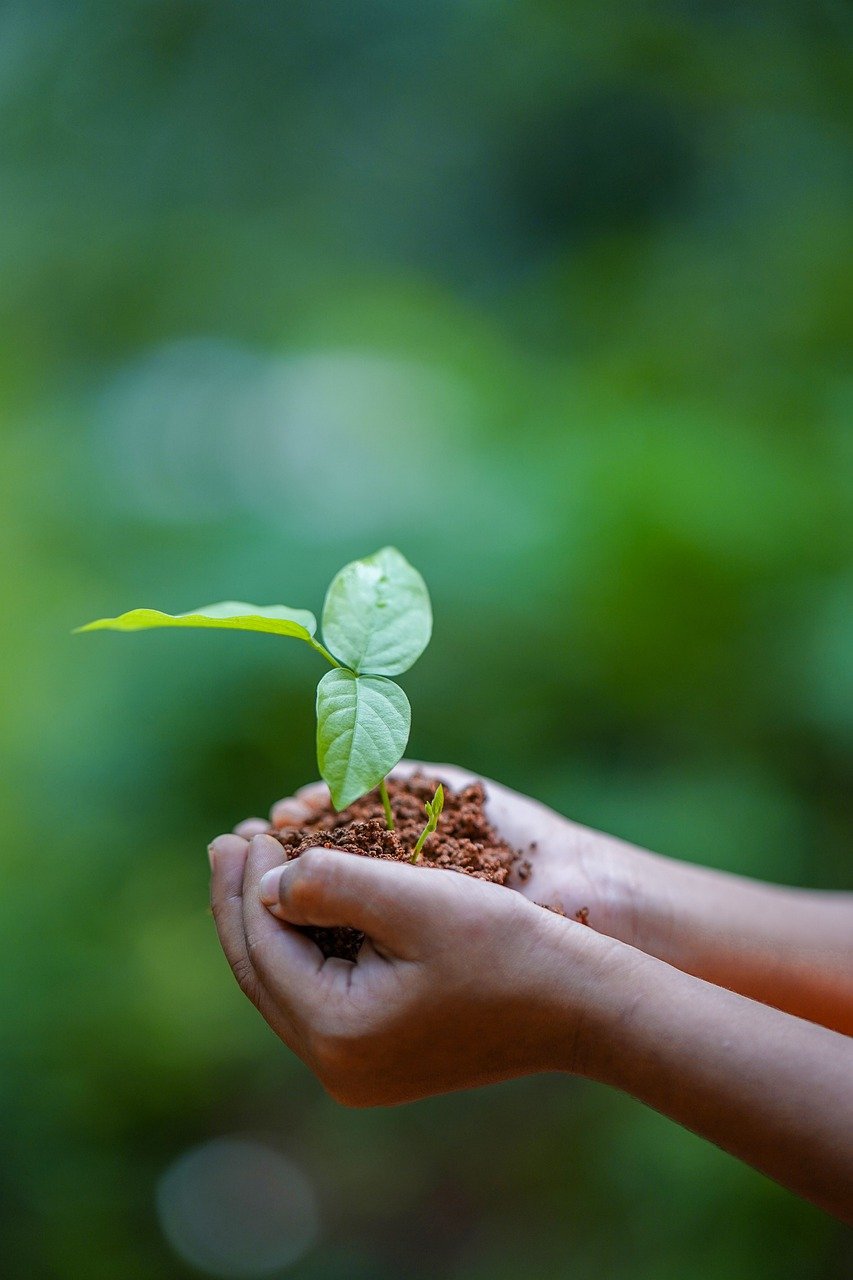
{"x": 377, "y": 618}
{"x": 436, "y": 809}
{"x": 276, "y": 619}
{"x": 362, "y": 730}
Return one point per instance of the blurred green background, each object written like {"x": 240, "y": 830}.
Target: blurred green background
{"x": 554, "y": 296}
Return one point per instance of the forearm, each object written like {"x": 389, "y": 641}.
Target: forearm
{"x": 461, "y": 982}
{"x": 786, "y": 947}
{"x": 773, "y": 1090}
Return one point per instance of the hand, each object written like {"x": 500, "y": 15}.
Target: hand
{"x": 570, "y": 867}
{"x": 455, "y": 985}
{"x": 785, "y": 947}
{"x": 461, "y": 983}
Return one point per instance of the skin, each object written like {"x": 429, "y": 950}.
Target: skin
{"x": 718, "y": 1001}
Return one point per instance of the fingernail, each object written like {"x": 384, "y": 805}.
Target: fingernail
{"x": 269, "y": 886}
{"x": 223, "y": 845}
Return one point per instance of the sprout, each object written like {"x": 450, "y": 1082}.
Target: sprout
{"x": 433, "y": 812}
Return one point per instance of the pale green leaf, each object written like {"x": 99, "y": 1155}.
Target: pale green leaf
{"x": 436, "y": 809}
{"x": 234, "y": 615}
{"x": 362, "y": 730}
{"x": 377, "y": 618}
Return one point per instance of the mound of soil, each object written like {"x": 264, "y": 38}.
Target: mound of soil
{"x": 465, "y": 841}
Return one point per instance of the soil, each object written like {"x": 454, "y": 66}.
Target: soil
{"x": 465, "y": 841}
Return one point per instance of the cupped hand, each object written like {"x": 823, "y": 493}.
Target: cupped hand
{"x": 458, "y": 982}
{"x": 580, "y": 872}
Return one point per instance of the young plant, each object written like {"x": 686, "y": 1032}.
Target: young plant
{"x": 377, "y": 621}
{"x": 433, "y": 811}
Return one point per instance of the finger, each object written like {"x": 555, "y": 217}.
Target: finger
{"x": 251, "y": 827}
{"x": 394, "y": 903}
{"x": 307, "y": 804}
{"x": 284, "y": 958}
{"x": 287, "y": 813}
{"x": 314, "y": 795}
{"x": 227, "y": 862}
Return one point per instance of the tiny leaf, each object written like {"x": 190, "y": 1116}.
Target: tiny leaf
{"x": 377, "y": 618}
{"x": 362, "y": 730}
{"x": 275, "y": 619}
{"x": 434, "y": 809}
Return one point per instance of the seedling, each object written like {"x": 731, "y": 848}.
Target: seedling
{"x": 377, "y": 621}
{"x": 433, "y": 811}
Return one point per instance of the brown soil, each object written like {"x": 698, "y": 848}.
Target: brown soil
{"x": 464, "y": 841}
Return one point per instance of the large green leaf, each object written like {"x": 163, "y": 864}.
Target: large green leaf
{"x": 276, "y": 619}
{"x": 362, "y": 730}
{"x": 377, "y": 617}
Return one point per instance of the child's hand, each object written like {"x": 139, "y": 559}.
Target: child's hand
{"x": 460, "y": 982}
{"x": 456, "y": 985}
{"x": 781, "y": 946}
{"x": 569, "y": 866}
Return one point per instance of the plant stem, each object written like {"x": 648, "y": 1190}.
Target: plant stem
{"x": 389, "y": 816}
{"x": 416, "y": 852}
{"x": 321, "y": 648}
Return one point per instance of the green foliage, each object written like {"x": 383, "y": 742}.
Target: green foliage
{"x": 234, "y": 615}
{"x": 434, "y": 810}
{"x": 362, "y": 731}
{"x": 377, "y": 620}
{"x": 377, "y": 617}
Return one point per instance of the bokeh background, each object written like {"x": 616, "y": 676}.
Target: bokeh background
{"x": 552, "y": 295}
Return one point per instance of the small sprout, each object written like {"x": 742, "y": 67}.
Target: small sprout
{"x": 433, "y": 811}
{"x": 377, "y": 621}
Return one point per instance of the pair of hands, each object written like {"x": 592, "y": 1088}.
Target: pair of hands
{"x": 456, "y": 983}
{"x": 461, "y": 983}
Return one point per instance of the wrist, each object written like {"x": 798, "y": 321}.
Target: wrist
{"x": 629, "y": 895}
{"x": 587, "y": 984}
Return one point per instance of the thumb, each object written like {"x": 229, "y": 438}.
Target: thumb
{"x": 394, "y": 903}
